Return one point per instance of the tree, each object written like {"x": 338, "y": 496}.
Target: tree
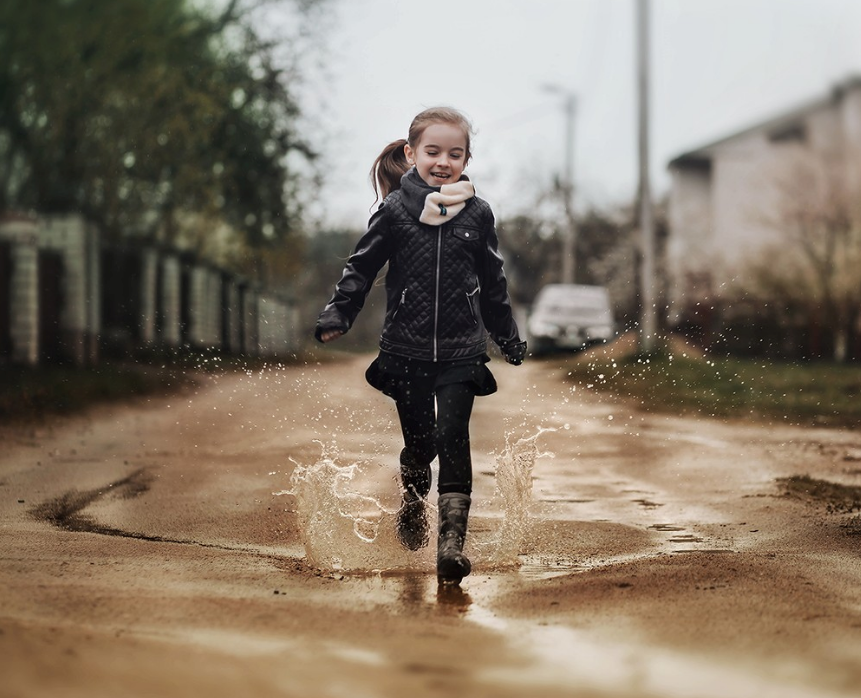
{"x": 814, "y": 267}
{"x": 607, "y": 254}
{"x": 531, "y": 248}
{"x": 151, "y": 117}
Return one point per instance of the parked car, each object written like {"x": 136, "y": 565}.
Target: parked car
{"x": 569, "y": 316}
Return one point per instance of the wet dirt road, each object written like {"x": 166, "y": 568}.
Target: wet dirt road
{"x": 146, "y": 551}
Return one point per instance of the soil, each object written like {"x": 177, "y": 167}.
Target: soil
{"x": 148, "y": 549}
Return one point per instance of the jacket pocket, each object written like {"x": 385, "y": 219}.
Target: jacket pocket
{"x": 472, "y": 302}
{"x": 466, "y": 233}
{"x": 401, "y": 303}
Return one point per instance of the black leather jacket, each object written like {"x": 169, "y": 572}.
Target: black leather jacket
{"x": 445, "y": 286}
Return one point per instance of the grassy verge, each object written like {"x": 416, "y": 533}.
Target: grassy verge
{"x": 791, "y": 393}
{"x": 33, "y": 394}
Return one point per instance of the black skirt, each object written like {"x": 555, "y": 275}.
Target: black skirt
{"x": 389, "y": 370}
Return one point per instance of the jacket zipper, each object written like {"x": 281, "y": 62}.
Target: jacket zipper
{"x": 436, "y": 295}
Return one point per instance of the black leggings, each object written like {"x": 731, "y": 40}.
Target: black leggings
{"x": 443, "y": 431}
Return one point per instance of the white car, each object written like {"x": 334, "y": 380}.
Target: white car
{"x": 569, "y": 316}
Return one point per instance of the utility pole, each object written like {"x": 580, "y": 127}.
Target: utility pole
{"x": 569, "y": 253}
{"x": 648, "y": 315}
{"x": 569, "y": 240}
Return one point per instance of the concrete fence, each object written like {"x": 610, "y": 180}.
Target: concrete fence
{"x": 67, "y": 297}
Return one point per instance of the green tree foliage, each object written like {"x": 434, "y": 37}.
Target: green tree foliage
{"x": 150, "y": 117}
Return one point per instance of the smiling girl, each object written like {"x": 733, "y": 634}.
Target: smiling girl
{"x": 446, "y": 291}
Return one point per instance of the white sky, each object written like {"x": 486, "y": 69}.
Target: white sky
{"x": 717, "y": 66}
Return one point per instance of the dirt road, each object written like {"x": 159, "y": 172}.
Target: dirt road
{"x": 150, "y": 551}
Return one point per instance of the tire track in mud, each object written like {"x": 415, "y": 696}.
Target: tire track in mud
{"x": 67, "y": 512}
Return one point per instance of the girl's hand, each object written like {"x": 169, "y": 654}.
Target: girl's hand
{"x": 329, "y": 335}
{"x": 514, "y": 353}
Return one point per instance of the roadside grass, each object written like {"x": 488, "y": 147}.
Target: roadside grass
{"x": 34, "y": 394}
{"x": 29, "y": 394}
{"x": 685, "y": 382}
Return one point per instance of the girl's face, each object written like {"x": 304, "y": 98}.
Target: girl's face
{"x": 440, "y": 156}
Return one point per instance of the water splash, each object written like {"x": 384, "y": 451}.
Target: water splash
{"x": 513, "y": 472}
{"x": 345, "y": 531}
{"x": 341, "y": 529}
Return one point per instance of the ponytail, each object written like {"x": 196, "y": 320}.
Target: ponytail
{"x": 388, "y": 168}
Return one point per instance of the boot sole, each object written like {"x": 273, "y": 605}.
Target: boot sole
{"x": 452, "y": 571}
{"x": 447, "y": 582}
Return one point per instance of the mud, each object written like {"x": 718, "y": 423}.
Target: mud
{"x": 66, "y": 511}
{"x": 837, "y": 497}
{"x": 152, "y": 550}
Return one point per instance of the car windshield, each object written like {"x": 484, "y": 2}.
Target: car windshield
{"x": 575, "y": 308}
{"x": 569, "y": 307}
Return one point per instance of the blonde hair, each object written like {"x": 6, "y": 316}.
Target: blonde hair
{"x": 391, "y": 164}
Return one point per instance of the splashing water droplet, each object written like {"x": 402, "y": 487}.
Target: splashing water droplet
{"x": 514, "y": 487}
{"x": 341, "y": 529}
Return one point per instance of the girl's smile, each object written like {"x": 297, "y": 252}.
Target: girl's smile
{"x": 440, "y": 157}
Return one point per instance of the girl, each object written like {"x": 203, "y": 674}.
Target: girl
{"x": 446, "y": 291}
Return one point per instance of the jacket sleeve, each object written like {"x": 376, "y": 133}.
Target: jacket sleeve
{"x": 370, "y": 255}
{"x": 495, "y": 302}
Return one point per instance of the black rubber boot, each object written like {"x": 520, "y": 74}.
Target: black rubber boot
{"x": 412, "y": 516}
{"x": 451, "y": 564}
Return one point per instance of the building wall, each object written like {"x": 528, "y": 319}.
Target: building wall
{"x": 250, "y": 318}
{"x": 77, "y": 243}
{"x": 231, "y": 315}
{"x": 726, "y": 201}
{"x": 214, "y": 316}
{"x": 205, "y": 307}
{"x": 54, "y": 309}
{"x": 849, "y": 126}
{"x": 149, "y": 290}
{"x": 171, "y": 300}
{"x": 94, "y": 294}
{"x": 23, "y": 235}
{"x": 277, "y": 320}
{"x": 197, "y": 295}
{"x": 690, "y": 219}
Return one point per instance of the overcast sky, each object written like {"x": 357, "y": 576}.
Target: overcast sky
{"x": 717, "y": 66}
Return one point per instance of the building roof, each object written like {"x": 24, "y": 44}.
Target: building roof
{"x": 777, "y": 126}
